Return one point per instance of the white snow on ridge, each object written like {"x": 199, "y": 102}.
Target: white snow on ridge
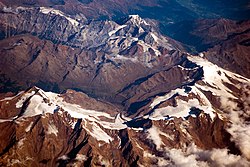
{"x": 154, "y": 36}
{"x": 118, "y": 124}
{"x": 160, "y": 99}
{"x": 117, "y": 29}
{"x": 64, "y": 157}
{"x": 119, "y": 57}
{"x": 183, "y": 107}
{"x": 52, "y": 129}
{"x": 29, "y": 127}
{"x": 54, "y": 103}
{"x": 98, "y": 133}
{"x": 136, "y": 19}
{"x": 81, "y": 157}
{"x": 146, "y": 47}
{"x": 19, "y": 104}
{"x": 37, "y": 106}
{"x": 214, "y": 76}
{"x": 12, "y": 97}
{"x": 180, "y": 111}
{"x": 21, "y": 143}
{"x": 58, "y": 12}
{"x": 6, "y": 120}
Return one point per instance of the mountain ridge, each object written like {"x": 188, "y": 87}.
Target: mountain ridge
{"x": 50, "y": 106}
{"x": 83, "y": 92}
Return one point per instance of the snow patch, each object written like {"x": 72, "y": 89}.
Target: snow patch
{"x": 6, "y": 120}
{"x": 116, "y": 29}
{"x": 146, "y": 48}
{"x": 47, "y": 102}
{"x": 119, "y": 57}
{"x": 154, "y": 36}
{"x": 29, "y": 127}
{"x": 38, "y": 106}
{"x": 11, "y": 98}
{"x": 64, "y": 157}
{"x": 182, "y": 110}
{"x": 98, "y": 133}
{"x": 20, "y": 143}
{"x": 169, "y": 136}
{"x": 215, "y": 76}
{"x": 117, "y": 125}
{"x": 81, "y": 157}
{"x": 161, "y": 99}
{"x": 137, "y": 129}
{"x": 137, "y": 20}
{"x": 17, "y": 162}
{"x": 52, "y": 129}
{"x": 26, "y": 96}
{"x": 58, "y": 12}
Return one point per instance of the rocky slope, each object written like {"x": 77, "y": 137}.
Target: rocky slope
{"x": 222, "y": 41}
{"x": 146, "y": 101}
{"x": 87, "y": 56}
{"x": 234, "y": 50}
{"x": 198, "y": 123}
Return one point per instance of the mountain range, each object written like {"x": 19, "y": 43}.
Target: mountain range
{"x": 124, "y": 83}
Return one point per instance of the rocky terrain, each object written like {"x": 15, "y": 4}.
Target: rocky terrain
{"x": 81, "y": 92}
{"x": 222, "y": 41}
{"x": 198, "y": 123}
{"x": 84, "y": 53}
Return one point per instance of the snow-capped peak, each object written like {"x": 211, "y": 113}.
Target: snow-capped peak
{"x": 137, "y": 20}
{"x": 45, "y": 10}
